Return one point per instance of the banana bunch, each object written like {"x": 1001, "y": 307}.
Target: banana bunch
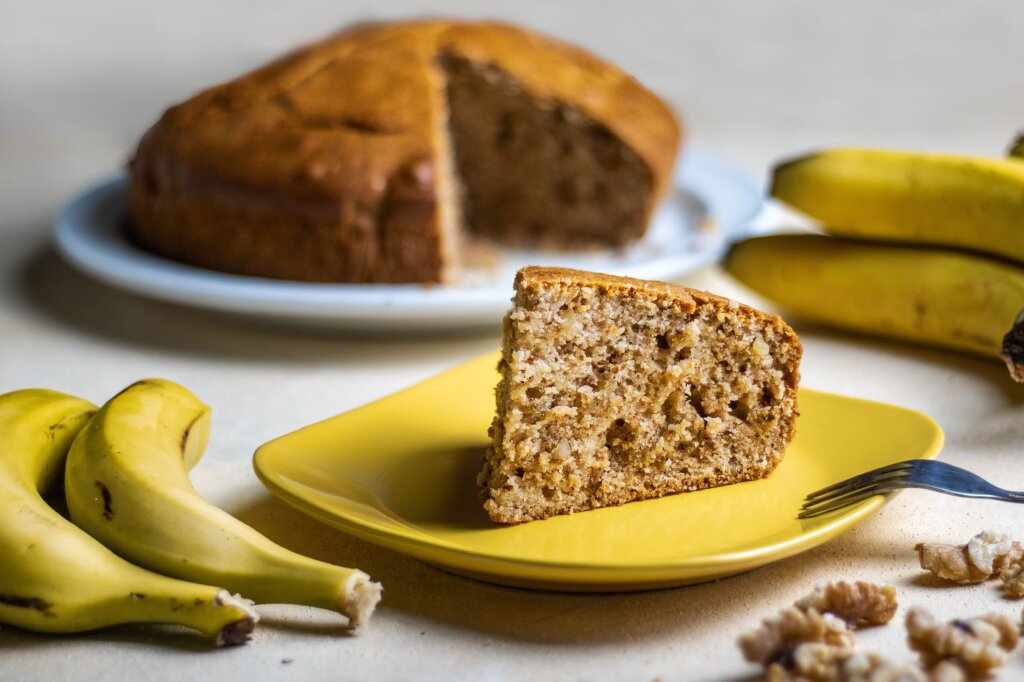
{"x": 926, "y": 247}
{"x": 125, "y": 473}
{"x": 54, "y": 577}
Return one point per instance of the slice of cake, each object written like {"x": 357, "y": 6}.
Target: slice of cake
{"x": 616, "y": 389}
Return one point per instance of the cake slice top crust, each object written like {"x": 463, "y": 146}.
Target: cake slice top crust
{"x": 534, "y": 278}
{"x": 340, "y": 118}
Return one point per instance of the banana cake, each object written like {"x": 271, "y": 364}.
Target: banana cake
{"x": 614, "y": 390}
{"x": 378, "y": 154}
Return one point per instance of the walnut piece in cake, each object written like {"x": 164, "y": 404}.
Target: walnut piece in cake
{"x": 978, "y": 645}
{"x": 856, "y": 603}
{"x": 614, "y": 390}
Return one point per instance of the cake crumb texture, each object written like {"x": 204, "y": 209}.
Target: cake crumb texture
{"x": 614, "y": 390}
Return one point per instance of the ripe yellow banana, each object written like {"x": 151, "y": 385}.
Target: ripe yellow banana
{"x": 931, "y": 296}
{"x": 53, "y": 576}
{"x": 966, "y": 202}
{"x": 127, "y": 485}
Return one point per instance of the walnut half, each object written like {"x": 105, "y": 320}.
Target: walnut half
{"x": 856, "y": 603}
{"x": 974, "y": 562}
{"x": 978, "y": 645}
{"x": 778, "y": 637}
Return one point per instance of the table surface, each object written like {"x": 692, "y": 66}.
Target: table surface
{"x": 79, "y": 82}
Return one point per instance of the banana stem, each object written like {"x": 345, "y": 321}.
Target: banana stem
{"x": 296, "y": 579}
{"x": 1013, "y": 348}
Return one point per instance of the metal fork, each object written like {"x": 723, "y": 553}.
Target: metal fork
{"x": 929, "y": 474}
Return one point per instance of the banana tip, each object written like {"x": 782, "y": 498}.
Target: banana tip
{"x": 237, "y": 631}
{"x": 779, "y": 170}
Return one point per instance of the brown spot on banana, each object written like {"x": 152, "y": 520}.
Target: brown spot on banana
{"x": 108, "y": 507}
{"x": 53, "y": 429}
{"x": 1013, "y": 348}
{"x": 975, "y": 339}
{"x": 19, "y": 601}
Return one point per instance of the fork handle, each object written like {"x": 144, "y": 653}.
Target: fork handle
{"x": 996, "y": 494}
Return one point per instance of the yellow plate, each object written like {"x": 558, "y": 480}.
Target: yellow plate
{"x": 400, "y": 473}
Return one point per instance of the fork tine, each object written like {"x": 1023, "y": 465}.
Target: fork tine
{"x": 862, "y": 479}
{"x": 871, "y": 489}
{"x": 819, "y": 508}
{"x": 927, "y": 474}
{"x": 825, "y": 509}
{"x": 855, "y": 485}
{"x": 852, "y": 485}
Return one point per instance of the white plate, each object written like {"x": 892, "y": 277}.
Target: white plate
{"x": 710, "y": 206}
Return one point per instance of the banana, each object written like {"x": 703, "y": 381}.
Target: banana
{"x": 127, "y": 485}
{"x": 53, "y": 576}
{"x": 932, "y": 296}
{"x": 960, "y": 201}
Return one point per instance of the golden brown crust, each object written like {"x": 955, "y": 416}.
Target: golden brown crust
{"x": 332, "y": 150}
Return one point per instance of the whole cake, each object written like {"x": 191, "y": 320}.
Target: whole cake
{"x": 614, "y": 390}
{"x": 372, "y": 156}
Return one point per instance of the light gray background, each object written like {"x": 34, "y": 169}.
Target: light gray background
{"x": 79, "y": 82}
